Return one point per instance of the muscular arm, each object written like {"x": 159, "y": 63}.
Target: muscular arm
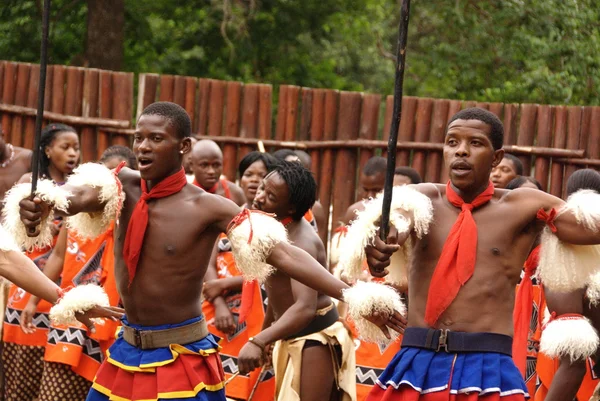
{"x": 569, "y": 375}
{"x": 295, "y": 318}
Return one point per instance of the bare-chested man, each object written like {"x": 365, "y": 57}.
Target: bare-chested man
{"x": 166, "y": 232}
{"x": 460, "y": 317}
{"x": 14, "y": 163}
{"x": 207, "y": 166}
{"x": 314, "y": 354}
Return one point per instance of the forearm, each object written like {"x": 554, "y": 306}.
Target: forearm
{"x": 567, "y": 380}
{"x": 83, "y": 199}
{"x": 297, "y": 317}
{"x": 268, "y": 321}
{"x": 300, "y": 266}
{"x": 233, "y": 283}
{"x": 52, "y": 270}
{"x": 20, "y": 270}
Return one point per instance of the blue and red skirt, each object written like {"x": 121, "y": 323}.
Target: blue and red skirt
{"x": 176, "y": 373}
{"x": 425, "y": 375}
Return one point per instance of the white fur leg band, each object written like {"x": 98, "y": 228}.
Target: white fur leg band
{"x": 362, "y": 231}
{"x": 365, "y": 298}
{"x": 78, "y": 300}
{"x": 253, "y": 235}
{"x": 48, "y": 192}
{"x": 569, "y": 335}
{"x": 97, "y": 176}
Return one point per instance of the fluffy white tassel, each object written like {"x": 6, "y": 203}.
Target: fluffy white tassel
{"x": 363, "y": 299}
{"x": 250, "y": 258}
{"x": 48, "y": 192}
{"x": 398, "y": 268}
{"x": 585, "y": 206}
{"x": 7, "y": 243}
{"x": 97, "y": 176}
{"x": 592, "y": 291}
{"x": 572, "y": 337}
{"x": 362, "y": 231}
{"x": 78, "y": 300}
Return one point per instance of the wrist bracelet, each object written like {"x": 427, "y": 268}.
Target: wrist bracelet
{"x": 258, "y": 343}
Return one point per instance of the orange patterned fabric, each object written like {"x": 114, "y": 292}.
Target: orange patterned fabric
{"x": 547, "y": 368}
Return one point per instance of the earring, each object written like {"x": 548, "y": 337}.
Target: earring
{"x": 181, "y": 151}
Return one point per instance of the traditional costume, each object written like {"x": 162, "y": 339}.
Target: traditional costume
{"x": 73, "y": 356}
{"x": 324, "y": 329}
{"x": 547, "y": 368}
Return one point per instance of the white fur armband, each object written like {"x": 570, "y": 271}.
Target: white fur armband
{"x": 78, "y": 300}
{"x": 592, "y": 291}
{"x": 48, "y": 192}
{"x": 7, "y": 243}
{"x": 569, "y": 335}
{"x": 365, "y": 298}
{"x": 362, "y": 231}
{"x": 253, "y": 235}
{"x": 96, "y": 175}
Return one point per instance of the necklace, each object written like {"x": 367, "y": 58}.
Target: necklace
{"x": 11, "y": 157}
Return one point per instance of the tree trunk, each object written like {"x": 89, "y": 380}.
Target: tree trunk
{"x": 105, "y": 34}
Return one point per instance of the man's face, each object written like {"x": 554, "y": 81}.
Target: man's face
{"x": 207, "y": 169}
{"x": 273, "y": 197}
{"x": 157, "y": 147}
{"x": 503, "y": 173}
{"x": 469, "y": 154}
{"x": 371, "y": 185}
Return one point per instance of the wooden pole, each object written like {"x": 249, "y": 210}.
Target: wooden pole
{"x": 397, "y": 115}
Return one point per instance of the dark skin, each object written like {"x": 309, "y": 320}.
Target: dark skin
{"x": 504, "y": 173}
{"x": 207, "y": 167}
{"x": 485, "y": 303}
{"x": 181, "y": 233}
{"x": 288, "y": 315}
{"x": 20, "y": 165}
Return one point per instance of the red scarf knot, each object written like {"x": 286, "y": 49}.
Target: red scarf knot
{"x": 548, "y": 218}
{"x": 457, "y": 261}
{"x": 138, "y": 222}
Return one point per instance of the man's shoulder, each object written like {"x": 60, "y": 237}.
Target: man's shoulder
{"x": 128, "y": 176}
{"x": 430, "y": 189}
{"x": 22, "y": 152}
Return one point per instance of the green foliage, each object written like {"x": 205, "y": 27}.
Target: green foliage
{"x": 544, "y": 51}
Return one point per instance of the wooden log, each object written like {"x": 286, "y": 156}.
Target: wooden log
{"x": 579, "y": 162}
{"x": 74, "y": 91}
{"x": 369, "y": 122}
{"x": 560, "y": 141}
{"x": 453, "y": 108}
{"x": 482, "y": 105}
{"x": 104, "y": 109}
{"x": 63, "y": 118}
{"x": 250, "y": 116}
{"x": 527, "y": 132}
{"x": 345, "y": 161}
{"x": 470, "y": 103}
{"x": 167, "y": 83}
{"x": 586, "y": 120}
{"x": 232, "y": 128}
{"x": 317, "y": 127}
{"x": 8, "y": 97}
{"x": 179, "y": 90}
{"x": 497, "y": 108}
{"x": 216, "y": 103}
{"x": 438, "y": 132}
{"x": 2, "y": 64}
{"x": 191, "y": 84}
{"x": 89, "y": 110}
{"x": 574, "y": 115}
{"x": 281, "y": 113}
{"x": 34, "y": 82}
{"x": 57, "y": 103}
{"x": 593, "y": 145}
{"x": 305, "y": 114}
{"x": 291, "y": 113}
{"x": 122, "y": 104}
{"x": 510, "y": 123}
{"x": 18, "y": 123}
{"x": 422, "y": 132}
{"x": 265, "y": 106}
{"x": 407, "y": 128}
{"x": 544, "y": 138}
{"x": 329, "y": 126}
{"x": 147, "y": 87}
{"x": 203, "y": 102}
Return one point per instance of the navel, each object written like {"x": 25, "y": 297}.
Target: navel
{"x": 496, "y": 251}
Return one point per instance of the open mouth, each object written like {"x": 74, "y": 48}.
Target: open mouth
{"x": 144, "y": 163}
{"x": 71, "y": 165}
{"x": 461, "y": 168}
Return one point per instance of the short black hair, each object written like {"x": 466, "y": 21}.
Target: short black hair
{"x": 302, "y": 187}
{"x": 304, "y": 158}
{"x": 477, "y": 113}
{"x": 375, "y": 165}
{"x": 46, "y": 138}
{"x": 519, "y": 181}
{"x": 583, "y": 179}
{"x": 516, "y": 162}
{"x": 269, "y": 161}
{"x": 281, "y": 154}
{"x": 177, "y": 116}
{"x": 122, "y": 152}
{"x": 409, "y": 172}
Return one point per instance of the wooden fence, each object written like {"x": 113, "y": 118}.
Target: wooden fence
{"x": 341, "y": 130}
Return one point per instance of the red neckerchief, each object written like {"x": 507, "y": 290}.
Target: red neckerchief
{"x": 209, "y": 190}
{"x": 457, "y": 261}
{"x": 522, "y": 311}
{"x": 138, "y": 223}
{"x": 249, "y": 287}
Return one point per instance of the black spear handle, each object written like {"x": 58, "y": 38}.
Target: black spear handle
{"x": 396, "y": 115}
{"x": 35, "y": 160}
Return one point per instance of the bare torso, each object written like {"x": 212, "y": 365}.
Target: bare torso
{"x": 176, "y": 251}
{"x": 279, "y": 285}
{"x": 485, "y": 303}
{"x": 10, "y": 174}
